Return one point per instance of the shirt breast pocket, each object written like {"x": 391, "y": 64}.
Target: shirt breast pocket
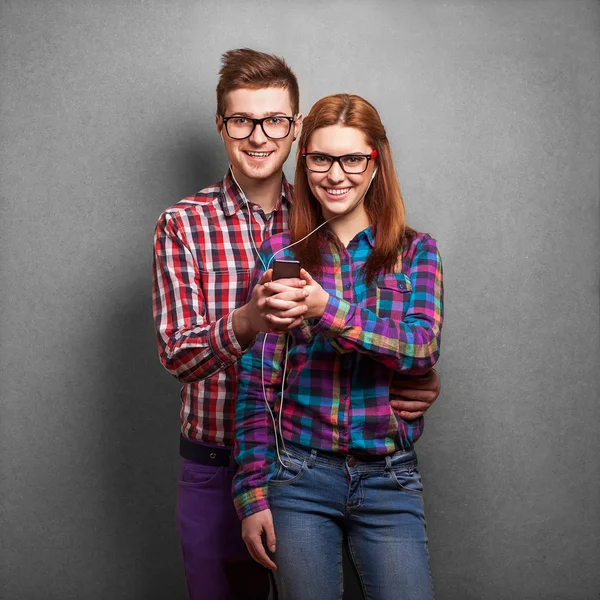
{"x": 225, "y": 290}
{"x": 389, "y": 297}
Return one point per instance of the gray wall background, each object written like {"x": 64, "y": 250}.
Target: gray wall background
{"x": 107, "y": 117}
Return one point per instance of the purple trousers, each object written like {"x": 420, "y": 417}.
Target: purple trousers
{"x": 216, "y": 562}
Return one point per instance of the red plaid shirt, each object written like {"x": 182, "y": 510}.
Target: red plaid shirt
{"x": 203, "y": 262}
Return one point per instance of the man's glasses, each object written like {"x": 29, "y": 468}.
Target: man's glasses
{"x": 350, "y": 163}
{"x": 275, "y": 128}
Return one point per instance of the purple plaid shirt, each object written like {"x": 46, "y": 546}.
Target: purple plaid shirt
{"x": 341, "y": 368}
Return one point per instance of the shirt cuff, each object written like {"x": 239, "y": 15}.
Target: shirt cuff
{"x": 251, "y": 502}
{"x": 335, "y": 317}
{"x": 223, "y": 342}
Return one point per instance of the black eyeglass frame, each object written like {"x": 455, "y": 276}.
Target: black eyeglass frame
{"x": 255, "y": 122}
{"x": 338, "y": 159}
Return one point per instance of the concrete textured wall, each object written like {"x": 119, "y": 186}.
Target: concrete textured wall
{"x": 107, "y": 117}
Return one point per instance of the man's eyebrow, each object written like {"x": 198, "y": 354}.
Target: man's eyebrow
{"x": 251, "y": 115}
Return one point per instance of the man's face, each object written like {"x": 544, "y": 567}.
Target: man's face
{"x": 258, "y": 157}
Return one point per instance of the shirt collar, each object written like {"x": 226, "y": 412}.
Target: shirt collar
{"x": 370, "y": 233}
{"x": 232, "y": 198}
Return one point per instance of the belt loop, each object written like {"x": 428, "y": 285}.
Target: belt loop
{"x": 388, "y": 463}
{"x": 312, "y": 459}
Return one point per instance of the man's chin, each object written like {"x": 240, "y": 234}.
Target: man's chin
{"x": 260, "y": 172}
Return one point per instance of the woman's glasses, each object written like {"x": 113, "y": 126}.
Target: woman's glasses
{"x": 350, "y": 163}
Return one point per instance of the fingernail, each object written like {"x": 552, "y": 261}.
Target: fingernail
{"x": 272, "y": 548}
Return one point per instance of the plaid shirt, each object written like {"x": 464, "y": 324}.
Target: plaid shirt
{"x": 203, "y": 261}
{"x": 341, "y": 368}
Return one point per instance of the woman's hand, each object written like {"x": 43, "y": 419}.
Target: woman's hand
{"x": 317, "y": 298}
{"x": 253, "y": 528}
{"x": 284, "y": 302}
{"x": 273, "y": 308}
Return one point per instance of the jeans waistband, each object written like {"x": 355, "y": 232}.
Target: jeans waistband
{"x": 364, "y": 462}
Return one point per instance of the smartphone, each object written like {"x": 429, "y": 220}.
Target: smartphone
{"x": 286, "y": 269}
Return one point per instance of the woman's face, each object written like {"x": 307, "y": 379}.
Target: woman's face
{"x": 337, "y": 191}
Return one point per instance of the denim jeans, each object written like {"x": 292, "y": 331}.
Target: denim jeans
{"x": 321, "y": 500}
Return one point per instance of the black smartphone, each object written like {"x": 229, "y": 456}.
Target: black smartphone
{"x": 286, "y": 269}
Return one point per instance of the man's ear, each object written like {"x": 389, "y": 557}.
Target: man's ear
{"x": 297, "y": 126}
{"x": 219, "y": 124}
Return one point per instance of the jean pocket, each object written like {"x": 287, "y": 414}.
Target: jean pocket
{"x": 198, "y": 475}
{"x": 290, "y": 470}
{"x": 407, "y": 480}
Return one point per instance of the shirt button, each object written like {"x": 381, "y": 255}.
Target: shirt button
{"x": 351, "y": 461}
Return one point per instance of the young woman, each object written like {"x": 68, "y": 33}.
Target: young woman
{"x": 335, "y": 463}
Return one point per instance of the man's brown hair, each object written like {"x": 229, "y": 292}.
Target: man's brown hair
{"x": 246, "y": 68}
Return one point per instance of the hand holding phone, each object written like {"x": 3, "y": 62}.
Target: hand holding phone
{"x": 286, "y": 269}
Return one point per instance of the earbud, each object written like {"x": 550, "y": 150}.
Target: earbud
{"x": 221, "y": 132}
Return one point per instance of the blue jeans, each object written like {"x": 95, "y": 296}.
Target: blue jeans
{"x": 321, "y": 500}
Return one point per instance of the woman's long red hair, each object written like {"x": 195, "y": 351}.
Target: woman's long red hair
{"x": 383, "y": 202}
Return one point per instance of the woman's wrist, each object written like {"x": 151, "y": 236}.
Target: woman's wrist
{"x": 323, "y": 300}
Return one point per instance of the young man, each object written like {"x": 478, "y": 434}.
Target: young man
{"x": 204, "y": 252}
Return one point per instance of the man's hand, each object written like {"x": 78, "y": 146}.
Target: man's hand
{"x": 415, "y": 395}
{"x": 273, "y": 308}
{"x": 253, "y": 529}
{"x": 285, "y": 301}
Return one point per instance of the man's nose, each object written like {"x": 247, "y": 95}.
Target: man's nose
{"x": 258, "y": 136}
